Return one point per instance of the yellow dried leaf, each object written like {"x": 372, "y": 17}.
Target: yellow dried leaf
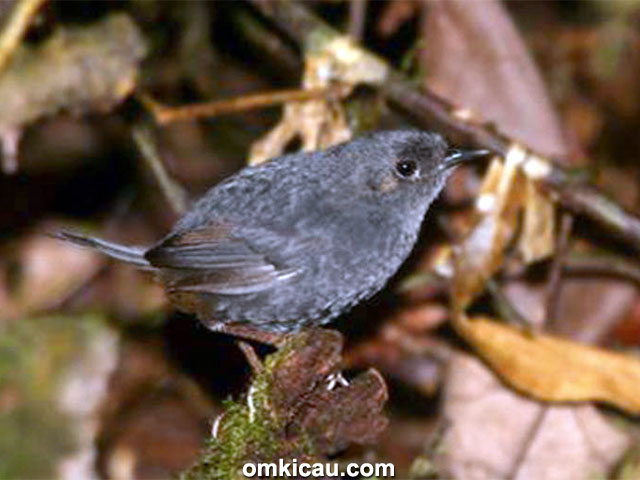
{"x": 554, "y": 369}
{"x": 481, "y": 253}
{"x": 320, "y": 123}
{"x": 477, "y": 258}
{"x": 505, "y": 192}
{"x": 350, "y": 63}
{"x": 537, "y": 239}
{"x": 490, "y": 184}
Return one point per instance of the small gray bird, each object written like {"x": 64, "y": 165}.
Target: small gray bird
{"x": 299, "y": 240}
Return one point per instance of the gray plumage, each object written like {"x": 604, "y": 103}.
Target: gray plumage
{"x": 299, "y": 240}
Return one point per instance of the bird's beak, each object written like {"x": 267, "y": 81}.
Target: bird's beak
{"x": 455, "y": 157}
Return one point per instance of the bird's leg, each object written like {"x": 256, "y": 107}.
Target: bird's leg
{"x": 251, "y": 356}
{"x": 248, "y": 332}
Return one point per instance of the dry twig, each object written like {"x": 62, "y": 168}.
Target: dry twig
{"x": 165, "y": 115}
{"x": 16, "y": 27}
{"x": 357, "y": 18}
{"x": 602, "y": 265}
{"x": 173, "y": 192}
{"x": 554, "y": 284}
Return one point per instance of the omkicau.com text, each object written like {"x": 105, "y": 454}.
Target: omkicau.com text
{"x": 291, "y": 468}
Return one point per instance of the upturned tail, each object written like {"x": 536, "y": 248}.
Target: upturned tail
{"x": 125, "y": 253}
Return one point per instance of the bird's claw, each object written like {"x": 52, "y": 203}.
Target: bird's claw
{"x": 336, "y": 379}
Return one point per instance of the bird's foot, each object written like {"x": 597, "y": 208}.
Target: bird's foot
{"x": 335, "y": 379}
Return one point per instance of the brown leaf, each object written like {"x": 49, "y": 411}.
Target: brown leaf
{"x": 475, "y": 58}
{"x": 331, "y": 418}
{"x": 300, "y": 372}
{"x": 335, "y": 418}
{"x": 589, "y": 308}
{"x": 537, "y": 240}
{"x": 505, "y": 192}
{"x": 627, "y": 332}
{"x": 554, "y": 369}
{"x": 492, "y": 432}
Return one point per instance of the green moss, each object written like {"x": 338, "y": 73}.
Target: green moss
{"x": 249, "y": 431}
{"x": 34, "y": 436}
{"x": 35, "y": 355}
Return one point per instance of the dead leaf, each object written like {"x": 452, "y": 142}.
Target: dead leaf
{"x": 554, "y": 369}
{"x": 331, "y": 418}
{"x": 472, "y": 47}
{"x": 491, "y": 432}
{"x": 537, "y": 240}
{"x": 545, "y": 367}
{"x": 320, "y": 123}
{"x": 590, "y": 307}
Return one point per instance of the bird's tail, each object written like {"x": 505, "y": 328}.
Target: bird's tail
{"x": 125, "y": 253}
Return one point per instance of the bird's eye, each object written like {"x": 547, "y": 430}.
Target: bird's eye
{"x": 406, "y": 168}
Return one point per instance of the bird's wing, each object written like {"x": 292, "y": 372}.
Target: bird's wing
{"x": 211, "y": 259}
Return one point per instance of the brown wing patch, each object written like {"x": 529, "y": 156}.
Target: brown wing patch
{"x": 211, "y": 233}
{"x": 211, "y": 260}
